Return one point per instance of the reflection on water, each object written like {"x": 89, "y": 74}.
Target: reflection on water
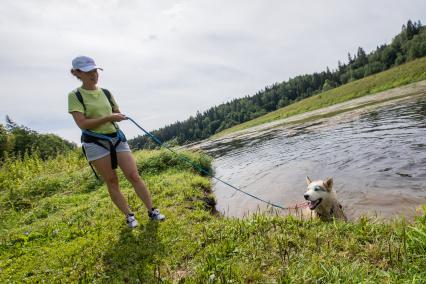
{"x": 377, "y": 158}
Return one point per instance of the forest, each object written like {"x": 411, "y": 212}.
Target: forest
{"x": 408, "y": 45}
{"x": 17, "y": 141}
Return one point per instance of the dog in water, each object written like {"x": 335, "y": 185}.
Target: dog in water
{"x": 323, "y": 201}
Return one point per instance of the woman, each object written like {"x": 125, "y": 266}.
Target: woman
{"x": 93, "y": 110}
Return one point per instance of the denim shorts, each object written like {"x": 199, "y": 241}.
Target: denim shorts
{"x": 95, "y": 152}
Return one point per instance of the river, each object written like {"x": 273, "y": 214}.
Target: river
{"x": 376, "y": 156}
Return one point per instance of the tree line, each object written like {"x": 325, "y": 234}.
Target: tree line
{"x": 408, "y": 45}
{"x": 18, "y": 140}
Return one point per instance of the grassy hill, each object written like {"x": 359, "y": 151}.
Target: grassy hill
{"x": 413, "y": 71}
{"x": 58, "y": 225}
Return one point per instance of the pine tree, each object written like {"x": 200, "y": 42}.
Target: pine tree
{"x": 410, "y": 30}
{"x": 10, "y": 124}
{"x": 361, "y": 57}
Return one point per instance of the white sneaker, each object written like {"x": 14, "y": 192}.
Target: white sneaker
{"x": 131, "y": 221}
{"x": 156, "y": 215}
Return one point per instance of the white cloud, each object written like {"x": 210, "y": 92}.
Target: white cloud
{"x": 164, "y": 60}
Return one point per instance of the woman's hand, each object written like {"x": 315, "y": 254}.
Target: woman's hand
{"x": 117, "y": 117}
{"x": 91, "y": 123}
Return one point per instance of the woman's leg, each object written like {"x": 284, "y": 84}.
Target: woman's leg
{"x": 103, "y": 167}
{"x": 128, "y": 165}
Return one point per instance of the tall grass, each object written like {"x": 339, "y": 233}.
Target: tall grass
{"x": 413, "y": 71}
{"x": 59, "y": 225}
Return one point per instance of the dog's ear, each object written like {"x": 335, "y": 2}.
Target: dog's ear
{"x": 328, "y": 183}
{"x": 308, "y": 180}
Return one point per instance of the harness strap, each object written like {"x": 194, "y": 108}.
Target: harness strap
{"x": 90, "y": 164}
{"x": 112, "y": 151}
{"x": 96, "y": 138}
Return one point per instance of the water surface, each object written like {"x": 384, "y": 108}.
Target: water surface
{"x": 376, "y": 156}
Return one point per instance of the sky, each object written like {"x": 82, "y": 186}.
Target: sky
{"x": 165, "y": 60}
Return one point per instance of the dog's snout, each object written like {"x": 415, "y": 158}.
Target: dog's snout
{"x": 306, "y": 196}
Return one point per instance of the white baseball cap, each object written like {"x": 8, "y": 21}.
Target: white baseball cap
{"x": 84, "y": 63}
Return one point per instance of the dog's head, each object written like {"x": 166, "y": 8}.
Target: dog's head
{"x": 317, "y": 191}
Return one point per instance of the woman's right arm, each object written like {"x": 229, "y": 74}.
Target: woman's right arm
{"x": 91, "y": 123}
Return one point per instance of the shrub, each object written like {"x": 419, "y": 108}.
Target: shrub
{"x": 155, "y": 162}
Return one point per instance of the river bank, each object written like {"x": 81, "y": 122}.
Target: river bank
{"x": 381, "y": 98}
{"x": 59, "y": 225}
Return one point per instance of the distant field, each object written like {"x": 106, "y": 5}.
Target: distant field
{"x": 398, "y": 76}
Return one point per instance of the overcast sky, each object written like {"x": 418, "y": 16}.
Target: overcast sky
{"x": 164, "y": 60}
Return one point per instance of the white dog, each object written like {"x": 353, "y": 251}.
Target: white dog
{"x": 322, "y": 199}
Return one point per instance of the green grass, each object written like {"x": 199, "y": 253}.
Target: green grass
{"x": 59, "y": 225}
{"x": 413, "y": 71}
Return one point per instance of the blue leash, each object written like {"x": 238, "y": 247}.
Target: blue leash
{"x": 153, "y": 137}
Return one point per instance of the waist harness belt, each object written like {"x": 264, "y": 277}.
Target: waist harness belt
{"x": 105, "y": 141}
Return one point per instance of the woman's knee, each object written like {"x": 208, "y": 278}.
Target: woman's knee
{"x": 111, "y": 180}
{"x": 133, "y": 177}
